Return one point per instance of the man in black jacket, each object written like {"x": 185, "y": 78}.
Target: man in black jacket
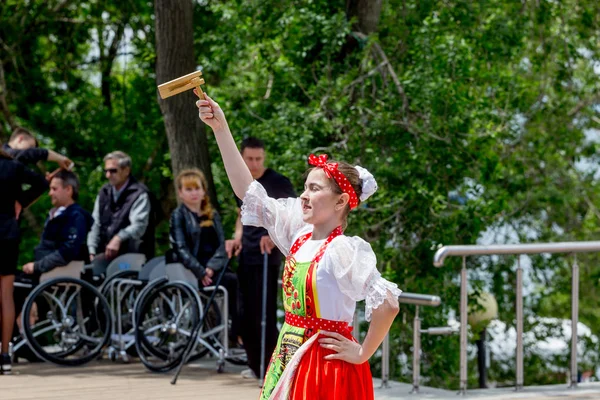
{"x": 65, "y": 231}
{"x": 251, "y": 243}
{"x": 123, "y": 215}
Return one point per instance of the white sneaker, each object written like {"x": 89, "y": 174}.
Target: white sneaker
{"x": 5, "y": 365}
{"x": 248, "y": 374}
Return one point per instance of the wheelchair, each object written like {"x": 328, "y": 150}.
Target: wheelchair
{"x": 64, "y": 319}
{"x": 125, "y": 277}
{"x": 167, "y": 310}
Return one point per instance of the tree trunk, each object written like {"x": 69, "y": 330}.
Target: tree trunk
{"x": 8, "y": 117}
{"x": 174, "y": 58}
{"x": 367, "y": 13}
{"x": 107, "y": 62}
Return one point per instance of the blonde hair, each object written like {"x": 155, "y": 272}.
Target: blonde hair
{"x": 195, "y": 178}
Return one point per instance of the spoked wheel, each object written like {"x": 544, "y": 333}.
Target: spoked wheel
{"x": 213, "y": 335}
{"x": 212, "y": 321}
{"x": 165, "y": 316}
{"x": 66, "y": 321}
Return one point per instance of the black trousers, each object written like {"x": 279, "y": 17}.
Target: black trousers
{"x": 251, "y": 287}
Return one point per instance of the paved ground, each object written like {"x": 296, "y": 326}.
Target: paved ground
{"x": 400, "y": 391}
{"x": 111, "y": 381}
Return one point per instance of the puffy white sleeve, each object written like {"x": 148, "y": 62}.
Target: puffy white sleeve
{"x": 353, "y": 263}
{"x": 281, "y": 217}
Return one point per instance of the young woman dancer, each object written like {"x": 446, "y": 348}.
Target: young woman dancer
{"x": 325, "y": 274}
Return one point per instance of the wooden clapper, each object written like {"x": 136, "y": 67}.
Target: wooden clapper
{"x": 181, "y": 84}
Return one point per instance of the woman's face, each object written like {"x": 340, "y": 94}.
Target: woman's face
{"x": 319, "y": 203}
{"x": 192, "y": 195}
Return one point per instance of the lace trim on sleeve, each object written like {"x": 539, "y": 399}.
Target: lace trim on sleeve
{"x": 379, "y": 291}
{"x": 253, "y": 208}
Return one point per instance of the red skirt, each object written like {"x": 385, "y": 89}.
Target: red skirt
{"x": 317, "y": 378}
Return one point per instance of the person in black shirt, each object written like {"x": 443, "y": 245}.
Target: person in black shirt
{"x": 13, "y": 176}
{"x": 198, "y": 242}
{"x": 23, "y": 147}
{"x": 251, "y": 243}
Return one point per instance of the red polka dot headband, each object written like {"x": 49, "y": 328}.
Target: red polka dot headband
{"x": 332, "y": 171}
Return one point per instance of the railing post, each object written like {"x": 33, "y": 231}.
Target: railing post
{"x": 356, "y": 325}
{"x": 416, "y": 351}
{"x": 463, "y": 328}
{"x": 519, "y": 312}
{"x": 385, "y": 362}
{"x": 574, "y": 320}
{"x": 417, "y": 300}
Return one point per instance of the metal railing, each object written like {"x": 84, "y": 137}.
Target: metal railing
{"x": 417, "y": 300}
{"x": 517, "y": 249}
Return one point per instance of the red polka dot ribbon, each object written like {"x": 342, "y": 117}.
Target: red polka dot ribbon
{"x": 332, "y": 171}
{"x": 316, "y": 324}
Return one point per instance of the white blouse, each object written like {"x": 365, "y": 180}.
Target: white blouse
{"x": 347, "y": 273}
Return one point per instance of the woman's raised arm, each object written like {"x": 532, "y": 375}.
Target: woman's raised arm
{"x": 237, "y": 171}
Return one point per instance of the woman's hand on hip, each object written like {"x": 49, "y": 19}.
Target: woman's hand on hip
{"x": 345, "y": 349}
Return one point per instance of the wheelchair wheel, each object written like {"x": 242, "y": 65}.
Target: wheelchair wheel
{"x": 213, "y": 320}
{"x": 66, "y": 321}
{"x": 165, "y": 316}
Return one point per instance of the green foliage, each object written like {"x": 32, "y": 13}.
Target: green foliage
{"x": 473, "y": 117}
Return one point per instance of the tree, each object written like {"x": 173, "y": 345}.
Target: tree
{"x": 366, "y": 12}
{"x": 175, "y": 58}
{"x": 52, "y": 70}
{"x": 473, "y": 116}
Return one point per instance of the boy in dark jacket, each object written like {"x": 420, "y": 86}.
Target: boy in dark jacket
{"x": 65, "y": 231}
{"x": 23, "y": 147}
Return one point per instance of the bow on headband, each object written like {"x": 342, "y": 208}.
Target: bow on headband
{"x": 321, "y": 162}
{"x": 332, "y": 171}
